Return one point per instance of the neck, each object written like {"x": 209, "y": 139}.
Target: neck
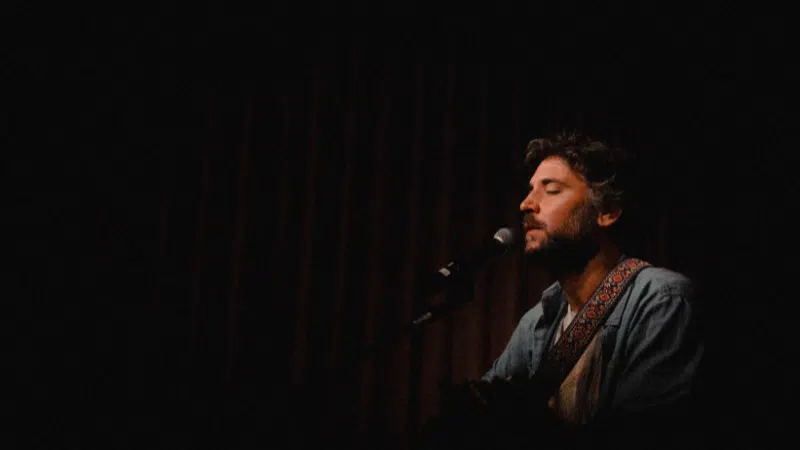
{"x": 580, "y": 285}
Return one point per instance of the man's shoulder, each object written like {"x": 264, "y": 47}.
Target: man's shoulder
{"x": 662, "y": 280}
{"x": 661, "y": 290}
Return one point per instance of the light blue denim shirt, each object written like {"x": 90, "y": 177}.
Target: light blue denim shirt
{"x": 650, "y": 345}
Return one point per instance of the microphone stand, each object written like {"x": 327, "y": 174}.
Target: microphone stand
{"x": 456, "y": 281}
{"x": 456, "y": 295}
{"x": 451, "y": 279}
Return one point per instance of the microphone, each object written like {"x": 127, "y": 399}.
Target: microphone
{"x": 458, "y": 270}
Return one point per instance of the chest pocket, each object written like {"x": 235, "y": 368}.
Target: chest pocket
{"x": 537, "y": 349}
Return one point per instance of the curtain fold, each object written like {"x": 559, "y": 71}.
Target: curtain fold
{"x": 261, "y": 209}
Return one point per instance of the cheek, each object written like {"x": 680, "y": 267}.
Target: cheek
{"x": 565, "y": 210}
{"x": 556, "y": 220}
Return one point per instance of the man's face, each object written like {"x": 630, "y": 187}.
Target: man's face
{"x": 557, "y": 213}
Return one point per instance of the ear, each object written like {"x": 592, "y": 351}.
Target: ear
{"x": 608, "y": 218}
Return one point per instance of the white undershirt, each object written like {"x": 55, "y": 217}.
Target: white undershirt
{"x": 565, "y": 323}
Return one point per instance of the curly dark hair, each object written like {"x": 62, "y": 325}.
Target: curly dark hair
{"x": 602, "y": 166}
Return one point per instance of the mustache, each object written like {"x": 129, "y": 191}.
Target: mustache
{"x": 530, "y": 223}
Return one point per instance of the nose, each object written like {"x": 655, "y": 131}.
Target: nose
{"x": 529, "y": 203}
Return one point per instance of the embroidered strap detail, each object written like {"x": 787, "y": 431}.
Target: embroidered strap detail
{"x": 563, "y": 356}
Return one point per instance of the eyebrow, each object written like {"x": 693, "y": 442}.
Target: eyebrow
{"x": 546, "y": 181}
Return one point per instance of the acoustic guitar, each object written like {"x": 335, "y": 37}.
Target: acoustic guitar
{"x": 478, "y": 415}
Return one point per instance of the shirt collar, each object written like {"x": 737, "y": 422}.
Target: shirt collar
{"x": 552, "y": 297}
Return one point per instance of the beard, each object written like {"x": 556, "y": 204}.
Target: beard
{"x": 570, "y": 247}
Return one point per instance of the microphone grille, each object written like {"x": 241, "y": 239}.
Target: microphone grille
{"x": 505, "y": 236}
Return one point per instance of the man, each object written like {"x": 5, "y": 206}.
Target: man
{"x": 635, "y": 376}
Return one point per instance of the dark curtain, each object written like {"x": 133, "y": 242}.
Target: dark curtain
{"x": 211, "y": 221}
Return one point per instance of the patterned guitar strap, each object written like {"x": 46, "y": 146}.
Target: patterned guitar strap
{"x": 563, "y": 356}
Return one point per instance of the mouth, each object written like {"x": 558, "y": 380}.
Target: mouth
{"x": 529, "y": 223}
{"x": 531, "y": 232}
{"x": 528, "y": 229}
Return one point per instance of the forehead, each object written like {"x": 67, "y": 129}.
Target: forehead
{"x": 555, "y": 168}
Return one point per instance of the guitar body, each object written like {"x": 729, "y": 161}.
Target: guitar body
{"x": 480, "y": 415}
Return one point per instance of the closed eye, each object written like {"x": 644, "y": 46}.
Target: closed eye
{"x": 552, "y": 186}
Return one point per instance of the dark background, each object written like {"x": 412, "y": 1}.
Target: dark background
{"x": 208, "y": 218}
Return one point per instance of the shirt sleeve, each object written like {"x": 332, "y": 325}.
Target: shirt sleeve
{"x": 662, "y": 354}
